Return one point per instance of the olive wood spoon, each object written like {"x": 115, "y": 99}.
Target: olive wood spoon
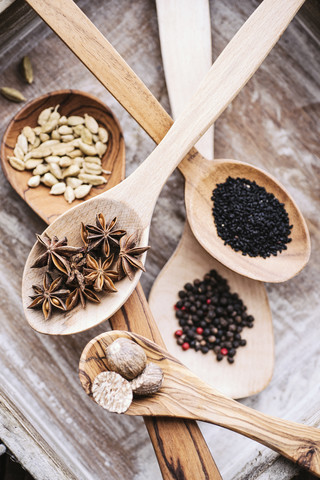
{"x": 236, "y": 65}
{"x": 186, "y": 55}
{"x": 132, "y": 202}
{"x": 184, "y": 395}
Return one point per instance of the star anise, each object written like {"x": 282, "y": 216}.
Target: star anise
{"x": 48, "y": 295}
{"x": 99, "y": 274}
{"x": 102, "y": 235}
{"x": 128, "y": 262}
{"x": 55, "y": 254}
{"x": 74, "y": 272}
{"x": 84, "y": 237}
{"x": 81, "y": 294}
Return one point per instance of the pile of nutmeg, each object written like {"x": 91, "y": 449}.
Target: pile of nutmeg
{"x": 128, "y": 374}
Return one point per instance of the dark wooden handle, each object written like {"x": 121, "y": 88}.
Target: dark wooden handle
{"x": 181, "y": 450}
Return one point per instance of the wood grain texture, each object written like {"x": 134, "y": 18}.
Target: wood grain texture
{"x": 174, "y": 441}
{"x": 71, "y": 102}
{"x": 233, "y": 68}
{"x": 183, "y": 394}
{"x": 15, "y": 429}
{"x": 273, "y": 124}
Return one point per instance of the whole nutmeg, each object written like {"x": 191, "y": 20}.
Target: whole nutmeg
{"x": 126, "y": 358}
{"x": 149, "y": 381}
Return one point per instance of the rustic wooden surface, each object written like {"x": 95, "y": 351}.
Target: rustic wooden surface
{"x": 273, "y": 124}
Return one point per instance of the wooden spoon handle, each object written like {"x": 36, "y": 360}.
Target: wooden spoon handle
{"x": 186, "y": 50}
{"x": 297, "y": 442}
{"x": 178, "y": 443}
{"x": 230, "y": 72}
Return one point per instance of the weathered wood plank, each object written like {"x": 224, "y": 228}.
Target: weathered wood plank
{"x": 273, "y": 124}
{"x": 28, "y": 444}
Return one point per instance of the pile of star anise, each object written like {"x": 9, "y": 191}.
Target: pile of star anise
{"x": 108, "y": 255}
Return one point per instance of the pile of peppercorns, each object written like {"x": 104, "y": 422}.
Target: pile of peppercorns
{"x": 211, "y": 317}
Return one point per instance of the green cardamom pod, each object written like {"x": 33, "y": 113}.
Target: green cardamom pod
{"x": 12, "y": 94}
{"x": 26, "y": 69}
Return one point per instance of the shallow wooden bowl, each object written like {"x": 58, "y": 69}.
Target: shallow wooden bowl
{"x": 72, "y": 102}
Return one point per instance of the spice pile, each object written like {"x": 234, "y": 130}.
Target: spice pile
{"x": 108, "y": 255}
{"x": 129, "y": 375}
{"x": 211, "y": 317}
{"x": 250, "y": 219}
{"x": 63, "y": 153}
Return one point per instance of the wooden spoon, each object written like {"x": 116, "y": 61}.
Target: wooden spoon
{"x": 184, "y": 395}
{"x": 133, "y": 200}
{"x": 253, "y": 366}
{"x": 249, "y": 47}
{"x": 186, "y": 55}
{"x": 72, "y": 102}
{"x": 173, "y": 439}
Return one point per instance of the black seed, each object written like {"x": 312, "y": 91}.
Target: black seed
{"x": 250, "y": 219}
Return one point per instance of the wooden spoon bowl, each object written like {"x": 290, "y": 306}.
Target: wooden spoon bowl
{"x": 184, "y": 395}
{"x": 72, "y": 102}
{"x": 79, "y": 319}
{"x": 253, "y": 367}
{"x": 198, "y": 199}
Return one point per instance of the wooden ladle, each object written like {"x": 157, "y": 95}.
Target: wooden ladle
{"x": 230, "y": 72}
{"x": 184, "y": 395}
{"x": 133, "y": 200}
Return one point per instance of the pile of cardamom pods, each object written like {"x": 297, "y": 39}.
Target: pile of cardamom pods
{"x": 63, "y": 153}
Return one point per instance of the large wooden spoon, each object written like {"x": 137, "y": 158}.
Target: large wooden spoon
{"x": 133, "y": 200}
{"x": 173, "y": 439}
{"x": 184, "y": 395}
{"x": 186, "y": 55}
{"x": 231, "y": 71}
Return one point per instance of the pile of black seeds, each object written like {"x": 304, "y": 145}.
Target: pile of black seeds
{"x": 250, "y": 219}
{"x": 211, "y": 317}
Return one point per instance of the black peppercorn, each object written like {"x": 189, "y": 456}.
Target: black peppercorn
{"x": 211, "y": 317}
